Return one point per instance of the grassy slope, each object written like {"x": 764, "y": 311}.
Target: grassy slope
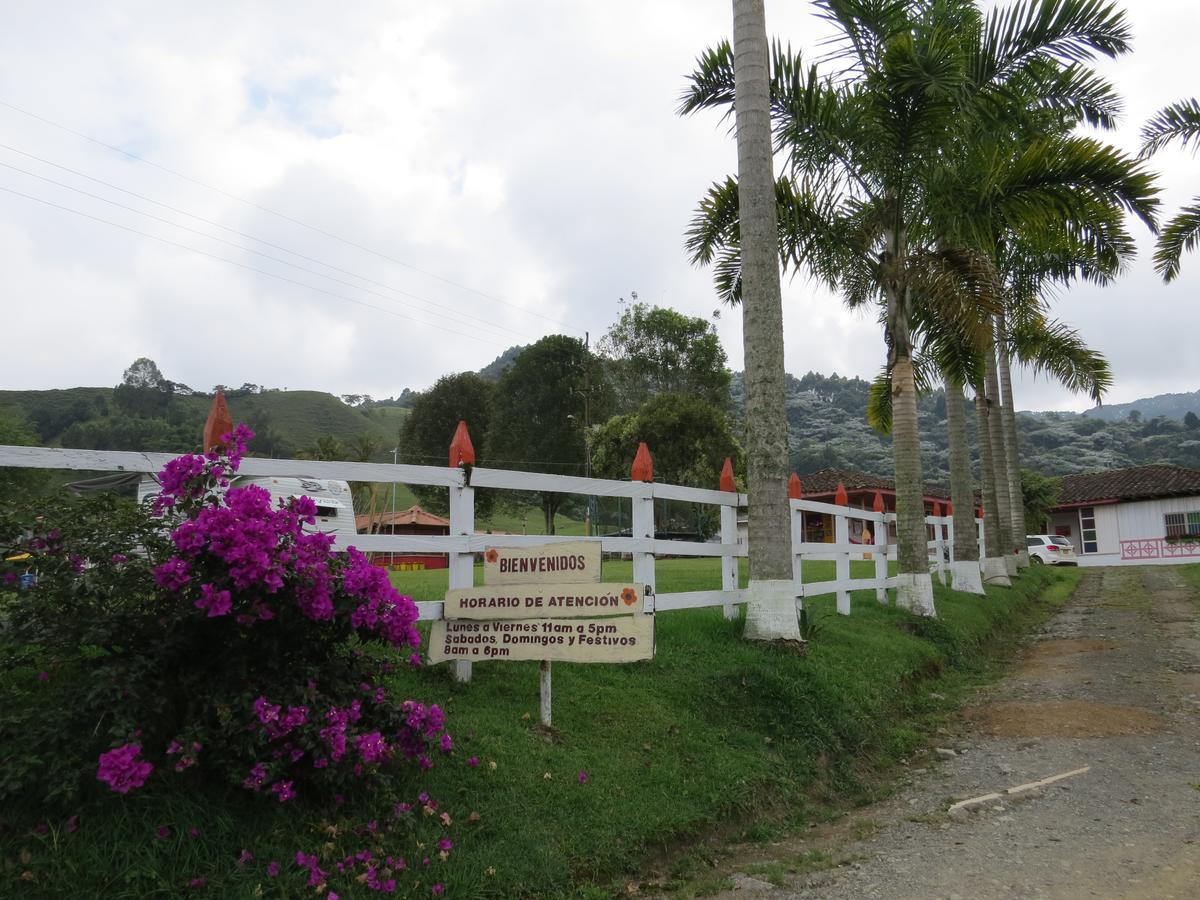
{"x": 713, "y": 732}
{"x": 299, "y": 417}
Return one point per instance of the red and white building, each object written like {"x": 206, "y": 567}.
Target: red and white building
{"x": 1145, "y": 515}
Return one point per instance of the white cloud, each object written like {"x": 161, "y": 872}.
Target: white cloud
{"x": 527, "y": 150}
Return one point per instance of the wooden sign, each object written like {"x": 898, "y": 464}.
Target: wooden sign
{"x": 572, "y": 562}
{"x": 616, "y": 640}
{"x": 527, "y": 601}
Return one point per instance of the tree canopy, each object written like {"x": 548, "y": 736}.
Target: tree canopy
{"x": 544, "y": 402}
{"x": 653, "y": 350}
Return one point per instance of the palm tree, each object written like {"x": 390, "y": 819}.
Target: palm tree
{"x": 1177, "y": 122}
{"x": 864, "y": 207}
{"x": 771, "y": 604}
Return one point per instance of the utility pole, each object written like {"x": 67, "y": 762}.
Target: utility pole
{"x": 587, "y": 429}
{"x": 395, "y": 460}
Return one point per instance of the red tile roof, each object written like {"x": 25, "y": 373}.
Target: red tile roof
{"x": 826, "y": 481}
{"x": 1137, "y": 483}
{"x": 414, "y": 515}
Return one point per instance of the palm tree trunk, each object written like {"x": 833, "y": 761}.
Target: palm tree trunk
{"x": 965, "y": 569}
{"x": 1012, "y": 454}
{"x": 994, "y": 571}
{"x": 999, "y": 473}
{"x": 914, "y": 588}
{"x": 771, "y": 596}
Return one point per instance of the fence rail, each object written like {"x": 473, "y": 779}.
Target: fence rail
{"x": 462, "y": 544}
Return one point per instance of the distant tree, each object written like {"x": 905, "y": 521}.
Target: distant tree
{"x": 18, "y": 483}
{"x": 143, "y": 391}
{"x": 326, "y": 447}
{"x": 542, "y": 404}
{"x": 688, "y": 439}
{"x": 426, "y": 434}
{"x": 1134, "y": 416}
{"x": 1191, "y": 420}
{"x": 1040, "y": 494}
{"x": 653, "y": 350}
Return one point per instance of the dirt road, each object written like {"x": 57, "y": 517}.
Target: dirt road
{"x": 1111, "y": 683}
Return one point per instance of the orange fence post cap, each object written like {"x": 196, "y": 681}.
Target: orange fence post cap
{"x": 727, "y": 482}
{"x": 643, "y": 465}
{"x": 218, "y": 424}
{"x": 462, "y": 451}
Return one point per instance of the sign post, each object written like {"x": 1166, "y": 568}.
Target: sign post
{"x": 544, "y": 603}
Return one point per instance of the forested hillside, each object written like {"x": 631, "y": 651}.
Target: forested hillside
{"x": 1173, "y": 406}
{"x": 826, "y": 424}
{"x": 827, "y": 428}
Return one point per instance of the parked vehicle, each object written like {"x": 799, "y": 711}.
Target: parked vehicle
{"x": 1050, "y": 550}
{"x": 335, "y": 507}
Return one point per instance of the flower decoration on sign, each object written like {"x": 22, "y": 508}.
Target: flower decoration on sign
{"x": 629, "y": 596}
{"x": 491, "y": 555}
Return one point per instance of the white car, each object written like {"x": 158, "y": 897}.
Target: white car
{"x": 1050, "y": 550}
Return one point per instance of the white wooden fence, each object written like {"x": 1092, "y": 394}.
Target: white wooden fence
{"x": 462, "y": 544}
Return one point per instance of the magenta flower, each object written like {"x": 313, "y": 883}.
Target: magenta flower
{"x": 162, "y": 832}
{"x": 71, "y": 825}
{"x": 583, "y": 777}
{"x": 283, "y": 790}
{"x": 121, "y": 769}
{"x": 43, "y": 676}
{"x": 445, "y": 844}
{"x": 198, "y": 883}
{"x": 473, "y": 761}
{"x": 372, "y": 747}
{"x": 438, "y": 889}
{"x": 244, "y": 857}
{"x": 193, "y": 832}
{"x": 273, "y": 868}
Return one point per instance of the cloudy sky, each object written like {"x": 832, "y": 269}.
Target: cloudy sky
{"x": 360, "y": 197}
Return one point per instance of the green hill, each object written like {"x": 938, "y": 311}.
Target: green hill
{"x": 286, "y": 422}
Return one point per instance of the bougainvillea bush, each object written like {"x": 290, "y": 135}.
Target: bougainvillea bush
{"x": 213, "y": 636}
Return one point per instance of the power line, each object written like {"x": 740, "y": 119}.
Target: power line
{"x": 284, "y": 262}
{"x": 254, "y": 269}
{"x": 284, "y": 216}
{"x": 222, "y": 227}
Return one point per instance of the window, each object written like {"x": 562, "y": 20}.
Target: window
{"x": 1181, "y": 525}
{"x": 1060, "y": 542}
{"x": 1087, "y": 528}
{"x": 1033, "y": 541}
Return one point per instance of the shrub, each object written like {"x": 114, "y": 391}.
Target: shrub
{"x": 212, "y": 636}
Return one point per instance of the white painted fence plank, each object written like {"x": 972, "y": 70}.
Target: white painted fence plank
{"x": 698, "y": 599}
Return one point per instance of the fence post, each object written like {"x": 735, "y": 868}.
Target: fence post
{"x": 979, "y": 532}
{"x": 643, "y": 527}
{"x": 729, "y": 564}
{"x": 939, "y": 545}
{"x": 881, "y": 553}
{"x": 841, "y": 537}
{"x": 796, "y": 492}
{"x": 462, "y": 564}
{"x": 642, "y": 518}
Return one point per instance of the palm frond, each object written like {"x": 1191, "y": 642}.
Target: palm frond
{"x": 711, "y": 83}
{"x": 1177, "y": 122}
{"x": 1066, "y": 31}
{"x": 864, "y": 27}
{"x": 1069, "y": 178}
{"x": 879, "y": 402}
{"x": 1054, "y": 349}
{"x": 1181, "y": 233}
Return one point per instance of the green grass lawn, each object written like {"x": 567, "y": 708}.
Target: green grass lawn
{"x": 714, "y": 736}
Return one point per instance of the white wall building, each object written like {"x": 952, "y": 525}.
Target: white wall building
{"x": 1146, "y": 515}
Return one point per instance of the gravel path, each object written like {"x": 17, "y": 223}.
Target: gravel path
{"x": 1112, "y": 682}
